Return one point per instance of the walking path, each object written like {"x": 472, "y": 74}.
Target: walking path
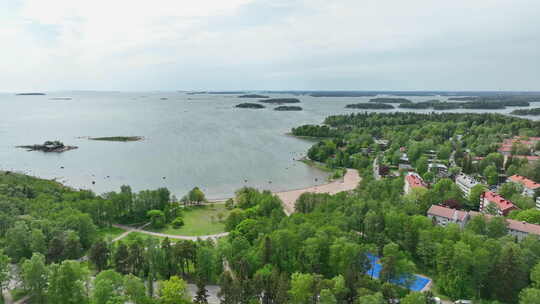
{"x": 170, "y": 236}
{"x": 349, "y": 181}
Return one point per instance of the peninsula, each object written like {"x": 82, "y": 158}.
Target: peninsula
{"x": 253, "y": 96}
{"x": 370, "y": 106}
{"x": 30, "y": 94}
{"x": 118, "y": 138}
{"x": 288, "y": 108}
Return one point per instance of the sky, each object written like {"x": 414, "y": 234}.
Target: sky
{"x": 136, "y": 45}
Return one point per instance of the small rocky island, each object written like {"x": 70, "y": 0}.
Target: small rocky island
{"x": 288, "y": 108}
{"x": 280, "y": 100}
{"x": 248, "y": 105}
{"x": 30, "y": 94}
{"x": 49, "y": 146}
{"x": 253, "y": 96}
{"x": 370, "y": 106}
{"x": 118, "y": 138}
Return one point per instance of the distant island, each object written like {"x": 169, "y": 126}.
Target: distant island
{"x": 288, "y": 108}
{"x": 533, "y": 112}
{"x": 370, "y": 106}
{"x": 118, "y": 138}
{"x": 253, "y": 96}
{"x": 280, "y": 100}
{"x": 342, "y": 94}
{"x": 30, "y": 94}
{"x": 49, "y": 146}
{"x": 248, "y": 105}
{"x": 60, "y": 98}
{"x": 390, "y": 100}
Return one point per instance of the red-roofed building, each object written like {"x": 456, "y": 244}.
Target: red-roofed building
{"x": 443, "y": 215}
{"x": 529, "y": 186}
{"x": 502, "y": 205}
{"x": 413, "y": 180}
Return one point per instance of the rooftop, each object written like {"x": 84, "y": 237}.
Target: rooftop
{"x": 447, "y": 212}
{"x": 415, "y": 180}
{"x": 503, "y": 204}
{"x": 527, "y": 183}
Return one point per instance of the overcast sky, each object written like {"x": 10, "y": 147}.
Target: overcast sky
{"x": 269, "y": 44}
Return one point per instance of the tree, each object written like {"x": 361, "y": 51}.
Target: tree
{"x": 229, "y": 291}
{"x": 327, "y": 297}
{"x": 509, "y": 273}
{"x": 135, "y": 290}
{"x": 529, "y": 296}
{"x": 414, "y": 298}
{"x": 107, "y": 287}
{"x": 422, "y": 165}
{"x": 34, "y": 274}
{"x": 491, "y": 175}
{"x": 474, "y": 195}
{"x": 510, "y": 189}
{"x": 67, "y": 283}
{"x": 375, "y": 298}
{"x": 174, "y": 291}
{"x": 535, "y": 276}
{"x": 157, "y": 218}
{"x": 202, "y": 294}
{"x": 99, "y": 254}
{"x": 303, "y": 288}
{"x": 394, "y": 264}
{"x": 4, "y": 271}
{"x": 178, "y": 222}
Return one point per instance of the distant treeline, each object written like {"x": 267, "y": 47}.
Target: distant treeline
{"x": 534, "y": 111}
{"x": 370, "y": 106}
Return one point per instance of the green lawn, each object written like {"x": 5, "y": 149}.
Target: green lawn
{"x": 109, "y": 233}
{"x": 200, "y": 220}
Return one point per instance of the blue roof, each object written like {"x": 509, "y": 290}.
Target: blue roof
{"x": 375, "y": 270}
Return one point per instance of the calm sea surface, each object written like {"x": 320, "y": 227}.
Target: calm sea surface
{"x": 190, "y": 140}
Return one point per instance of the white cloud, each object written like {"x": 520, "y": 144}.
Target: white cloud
{"x": 100, "y": 44}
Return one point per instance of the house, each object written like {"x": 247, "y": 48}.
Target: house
{"x": 529, "y": 186}
{"x": 502, "y": 205}
{"x": 538, "y": 202}
{"x": 413, "y": 180}
{"x": 465, "y": 183}
{"x": 521, "y": 229}
{"x": 438, "y": 169}
{"x": 530, "y": 158}
{"x": 443, "y": 215}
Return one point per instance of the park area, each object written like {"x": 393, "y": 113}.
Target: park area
{"x": 199, "y": 220}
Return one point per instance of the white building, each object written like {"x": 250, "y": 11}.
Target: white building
{"x": 538, "y": 202}
{"x": 465, "y": 183}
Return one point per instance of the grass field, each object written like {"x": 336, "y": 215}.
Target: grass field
{"x": 200, "y": 220}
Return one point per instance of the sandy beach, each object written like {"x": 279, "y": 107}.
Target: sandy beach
{"x": 348, "y": 182}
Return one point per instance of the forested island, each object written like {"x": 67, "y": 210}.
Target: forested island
{"x": 288, "y": 108}
{"x": 30, "y": 94}
{"x": 533, "y": 111}
{"x": 49, "y": 146}
{"x": 118, "y": 138}
{"x": 253, "y": 96}
{"x": 370, "y": 106}
{"x": 280, "y": 100}
{"x": 390, "y": 100}
{"x": 249, "y": 105}
{"x": 342, "y": 94}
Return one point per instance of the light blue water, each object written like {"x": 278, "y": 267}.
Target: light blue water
{"x": 190, "y": 140}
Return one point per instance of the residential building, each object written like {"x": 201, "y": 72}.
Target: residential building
{"x": 538, "y": 202}
{"x": 502, "y": 205}
{"x": 413, "y": 180}
{"x": 465, "y": 183}
{"x": 443, "y": 215}
{"x": 529, "y": 186}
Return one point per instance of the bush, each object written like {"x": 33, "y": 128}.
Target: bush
{"x": 178, "y": 222}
